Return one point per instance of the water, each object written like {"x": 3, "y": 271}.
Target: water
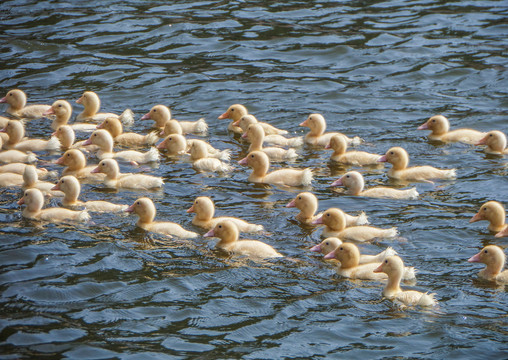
{"x": 373, "y": 69}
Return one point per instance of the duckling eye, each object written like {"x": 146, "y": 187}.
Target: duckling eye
{"x": 232, "y": 110}
{"x": 391, "y": 152}
{"x": 63, "y": 181}
{"x": 170, "y": 139}
{"x": 341, "y": 248}
{"x": 252, "y": 156}
{"x": 137, "y": 203}
{"x": 68, "y": 154}
{"x": 386, "y": 261}
{"x": 347, "y": 176}
{"x": 434, "y": 120}
{"x": 299, "y": 198}
{"x": 94, "y": 134}
{"x": 486, "y": 251}
{"x": 490, "y": 135}
{"x": 327, "y": 214}
{"x": 59, "y": 105}
{"x": 154, "y": 110}
{"x": 220, "y": 226}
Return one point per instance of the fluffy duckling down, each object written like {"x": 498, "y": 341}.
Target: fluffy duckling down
{"x": 494, "y": 213}
{"x": 92, "y": 104}
{"x": 338, "y": 143}
{"x": 440, "y": 127}
{"x": 495, "y": 141}
{"x": 317, "y": 136}
{"x": 16, "y": 99}
{"x": 494, "y": 257}
{"x": 115, "y": 179}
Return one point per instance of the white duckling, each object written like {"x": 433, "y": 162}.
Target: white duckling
{"x": 115, "y": 128}
{"x": 259, "y": 163}
{"x": 71, "y": 188}
{"x": 16, "y": 132}
{"x": 495, "y": 141}
{"x": 249, "y": 119}
{"x": 17, "y": 105}
{"x": 19, "y": 168}
{"x": 31, "y": 181}
{"x": 174, "y": 145}
{"x": 399, "y": 158}
{"x": 161, "y": 114}
{"x": 33, "y": 199}
{"x": 394, "y": 268}
{"x": 360, "y": 158}
{"x": 307, "y": 203}
{"x": 440, "y": 127}
{"x": 10, "y": 179}
{"x": 317, "y": 136}
{"x": 75, "y": 163}
{"x": 92, "y": 104}
{"x": 354, "y": 183}
{"x": 228, "y": 234}
{"x": 145, "y": 210}
{"x": 201, "y": 160}
{"x": 204, "y": 209}
{"x": 103, "y": 139}
{"x": 256, "y": 136}
{"x": 63, "y": 111}
{"x": 65, "y": 134}
{"x": 494, "y": 257}
{"x": 329, "y": 245}
{"x": 350, "y": 267}
{"x": 335, "y": 226}
{"x": 494, "y": 213}
{"x": 16, "y": 156}
{"x": 115, "y": 179}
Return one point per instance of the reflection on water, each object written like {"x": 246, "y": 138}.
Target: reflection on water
{"x": 374, "y": 69}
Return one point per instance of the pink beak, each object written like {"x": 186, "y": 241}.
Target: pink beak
{"x": 146, "y": 116}
{"x": 21, "y": 201}
{"x": 243, "y": 161}
{"x": 244, "y": 135}
{"x": 50, "y": 111}
{"x": 379, "y": 269}
{"x": 96, "y": 170}
{"x": 191, "y": 209}
{"x": 60, "y": 161}
{"x": 475, "y": 258}
{"x": 88, "y": 141}
{"x": 56, "y": 187}
{"x": 483, "y": 141}
{"x": 330, "y": 255}
{"x": 162, "y": 145}
{"x": 423, "y": 127}
{"x": 291, "y": 204}
{"x": 476, "y": 218}
{"x": 317, "y": 221}
{"x": 502, "y": 233}
{"x": 100, "y": 126}
{"x": 224, "y": 116}
{"x": 337, "y": 182}
{"x": 237, "y": 123}
{"x": 382, "y": 159}
{"x": 4, "y": 130}
{"x": 80, "y": 100}
{"x": 305, "y": 123}
{"x": 328, "y": 146}
{"x": 316, "y": 248}
{"x": 211, "y": 233}
{"x": 3, "y": 100}
{"x": 130, "y": 209}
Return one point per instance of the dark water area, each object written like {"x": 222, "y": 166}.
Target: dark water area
{"x": 374, "y": 69}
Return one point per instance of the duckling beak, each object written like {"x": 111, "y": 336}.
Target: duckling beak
{"x": 382, "y": 159}
{"x": 224, "y": 116}
{"x": 56, "y": 187}
{"x": 50, "y": 111}
{"x": 291, "y": 204}
{"x": 96, "y": 170}
{"x": 243, "y": 161}
{"x": 146, "y": 116}
{"x": 21, "y": 201}
{"x": 424, "y": 126}
{"x": 211, "y": 233}
{"x": 476, "y": 218}
{"x": 483, "y": 141}
{"x": 337, "y": 182}
{"x": 316, "y": 248}
{"x": 330, "y": 255}
{"x": 191, "y": 209}
{"x": 379, "y": 269}
{"x": 317, "y": 221}
{"x": 130, "y": 209}
{"x": 475, "y": 258}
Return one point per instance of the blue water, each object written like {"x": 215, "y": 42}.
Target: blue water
{"x": 376, "y": 70}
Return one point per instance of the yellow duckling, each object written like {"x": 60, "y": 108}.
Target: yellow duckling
{"x": 494, "y": 213}
{"x": 204, "y": 209}
{"x": 71, "y": 188}
{"x": 115, "y": 179}
{"x": 75, "y": 162}
{"x": 161, "y": 114}
{"x": 16, "y": 156}
{"x": 17, "y": 141}
{"x": 329, "y": 245}
{"x": 249, "y": 119}
{"x": 63, "y": 111}
{"x": 399, "y": 158}
{"x": 307, "y": 203}
{"x": 494, "y": 257}
{"x": 259, "y": 163}
{"x": 17, "y": 106}
{"x": 354, "y": 183}
{"x": 335, "y": 226}
{"x": 228, "y": 234}
{"x": 256, "y": 136}
{"x": 145, "y": 209}
{"x": 31, "y": 181}
{"x": 495, "y": 141}
{"x": 92, "y": 104}
{"x": 115, "y": 128}
{"x": 339, "y": 145}
{"x": 65, "y": 134}
{"x": 317, "y": 136}
{"x": 394, "y": 268}
{"x": 201, "y": 161}
{"x": 440, "y": 127}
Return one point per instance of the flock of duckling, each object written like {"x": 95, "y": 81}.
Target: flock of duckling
{"x": 341, "y": 230}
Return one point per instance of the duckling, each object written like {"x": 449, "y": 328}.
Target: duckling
{"x": 249, "y": 119}
{"x": 201, "y": 161}
{"x": 227, "y": 231}
{"x": 63, "y": 111}
{"x": 494, "y": 213}
{"x": 65, "y": 134}
{"x": 19, "y": 168}
{"x": 145, "y": 209}
{"x": 17, "y": 106}
{"x": 10, "y": 179}
{"x": 71, "y": 188}
{"x": 16, "y": 132}
{"x": 494, "y": 257}
{"x": 16, "y": 156}
{"x": 354, "y": 183}
{"x": 259, "y": 163}
{"x": 103, "y": 139}
{"x": 317, "y": 136}
{"x": 307, "y": 203}
{"x": 115, "y": 179}
{"x": 234, "y": 112}
{"x": 115, "y": 128}
{"x": 339, "y": 145}
{"x": 33, "y": 199}
{"x": 92, "y": 104}
{"x": 399, "y": 158}
{"x": 161, "y": 114}
{"x": 329, "y": 245}
{"x": 350, "y": 267}
{"x": 394, "y": 268}
{"x": 75, "y": 163}
{"x": 204, "y": 209}
{"x": 495, "y": 141}
{"x": 31, "y": 180}
{"x": 335, "y": 226}
{"x": 440, "y": 127}
{"x": 256, "y": 136}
